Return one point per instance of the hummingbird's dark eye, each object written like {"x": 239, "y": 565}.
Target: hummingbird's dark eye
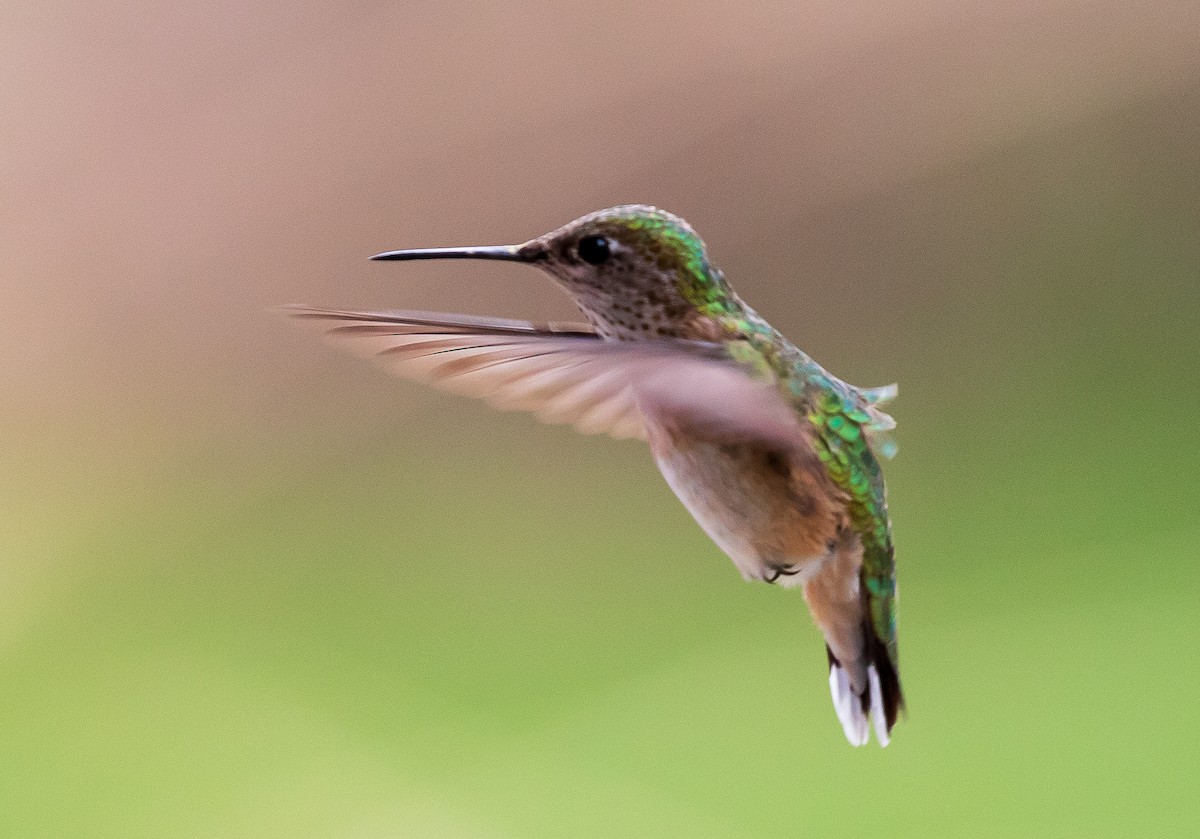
{"x": 593, "y": 249}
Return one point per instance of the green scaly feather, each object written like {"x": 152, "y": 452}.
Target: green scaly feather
{"x": 842, "y": 418}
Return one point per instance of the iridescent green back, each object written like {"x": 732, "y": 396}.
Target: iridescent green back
{"x": 842, "y": 419}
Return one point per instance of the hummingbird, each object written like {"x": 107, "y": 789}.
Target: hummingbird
{"x": 776, "y": 458}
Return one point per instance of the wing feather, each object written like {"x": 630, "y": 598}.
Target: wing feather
{"x": 565, "y": 373}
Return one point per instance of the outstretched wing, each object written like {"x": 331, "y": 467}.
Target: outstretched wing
{"x": 565, "y": 373}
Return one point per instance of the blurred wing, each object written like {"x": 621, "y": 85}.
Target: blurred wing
{"x": 565, "y": 373}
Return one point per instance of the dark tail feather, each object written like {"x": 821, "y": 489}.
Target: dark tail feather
{"x": 882, "y": 671}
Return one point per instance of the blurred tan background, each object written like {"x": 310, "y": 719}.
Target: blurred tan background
{"x": 169, "y": 172}
{"x": 995, "y": 203}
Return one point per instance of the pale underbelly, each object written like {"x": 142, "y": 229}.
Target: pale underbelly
{"x": 761, "y": 517}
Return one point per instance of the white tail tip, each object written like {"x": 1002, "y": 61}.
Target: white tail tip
{"x": 848, "y": 706}
{"x": 878, "y": 714}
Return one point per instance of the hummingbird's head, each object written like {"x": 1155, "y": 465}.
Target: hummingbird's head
{"x": 634, "y": 270}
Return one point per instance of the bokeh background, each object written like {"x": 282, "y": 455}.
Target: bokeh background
{"x": 252, "y": 588}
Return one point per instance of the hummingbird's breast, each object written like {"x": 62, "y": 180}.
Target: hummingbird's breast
{"x": 776, "y": 514}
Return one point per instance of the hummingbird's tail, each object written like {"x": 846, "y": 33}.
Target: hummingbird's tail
{"x": 875, "y": 697}
{"x": 863, "y": 680}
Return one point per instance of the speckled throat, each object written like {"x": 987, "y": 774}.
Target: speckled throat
{"x": 643, "y": 308}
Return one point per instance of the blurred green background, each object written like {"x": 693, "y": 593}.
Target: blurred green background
{"x": 252, "y": 588}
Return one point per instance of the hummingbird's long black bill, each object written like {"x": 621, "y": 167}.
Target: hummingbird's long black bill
{"x": 510, "y": 253}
